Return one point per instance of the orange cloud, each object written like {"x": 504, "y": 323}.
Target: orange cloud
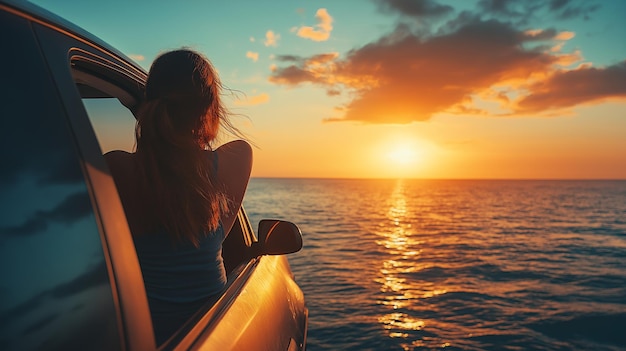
{"x": 271, "y": 38}
{"x": 565, "y": 36}
{"x": 253, "y": 100}
{"x": 321, "y": 59}
{"x": 321, "y": 31}
{"x": 254, "y": 56}
{"x": 404, "y": 77}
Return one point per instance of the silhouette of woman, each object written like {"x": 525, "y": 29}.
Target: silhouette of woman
{"x": 181, "y": 198}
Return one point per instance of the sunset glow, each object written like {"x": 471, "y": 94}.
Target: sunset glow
{"x": 387, "y": 89}
{"x": 403, "y": 155}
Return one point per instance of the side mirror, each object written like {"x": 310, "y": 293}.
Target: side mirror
{"x": 278, "y": 237}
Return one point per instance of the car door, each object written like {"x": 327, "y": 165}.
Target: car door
{"x": 55, "y": 287}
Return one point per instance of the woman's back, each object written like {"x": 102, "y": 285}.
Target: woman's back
{"x": 179, "y": 278}
{"x": 181, "y": 272}
{"x": 178, "y": 275}
{"x": 174, "y": 270}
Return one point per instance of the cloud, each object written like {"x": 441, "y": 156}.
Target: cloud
{"x": 566, "y": 89}
{"x": 319, "y": 59}
{"x": 480, "y": 59}
{"x": 405, "y": 77}
{"x": 271, "y": 39}
{"x": 253, "y": 100}
{"x": 521, "y": 12}
{"x": 314, "y": 69}
{"x": 292, "y": 75}
{"x": 566, "y": 9}
{"x": 539, "y": 34}
{"x": 321, "y": 31}
{"x": 137, "y": 57}
{"x": 72, "y": 209}
{"x": 93, "y": 276}
{"x": 413, "y": 8}
{"x": 565, "y": 36}
{"x": 254, "y": 56}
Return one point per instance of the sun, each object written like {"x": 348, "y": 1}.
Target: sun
{"x": 403, "y": 155}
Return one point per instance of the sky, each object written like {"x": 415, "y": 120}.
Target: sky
{"x": 484, "y": 89}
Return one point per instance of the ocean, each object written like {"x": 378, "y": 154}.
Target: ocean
{"x": 456, "y": 264}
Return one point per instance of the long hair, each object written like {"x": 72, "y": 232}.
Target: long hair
{"x": 178, "y": 121}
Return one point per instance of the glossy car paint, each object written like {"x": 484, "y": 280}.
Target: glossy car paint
{"x": 262, "y": 308}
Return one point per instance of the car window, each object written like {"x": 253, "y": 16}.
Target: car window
{"x": 113, "y": 123}
{"x": 53, "y": 268}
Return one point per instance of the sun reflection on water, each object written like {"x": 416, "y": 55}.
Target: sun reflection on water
{"x": 400, "y": 242}
{"x": 401, "y": 321}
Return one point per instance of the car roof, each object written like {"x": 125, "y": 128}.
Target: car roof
{"x": 41, "y": 15}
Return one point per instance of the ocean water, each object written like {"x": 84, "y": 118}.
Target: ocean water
{"x": 456, "y": 265}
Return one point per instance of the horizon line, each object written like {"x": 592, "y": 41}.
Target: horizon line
{"x": 439, "y": 179}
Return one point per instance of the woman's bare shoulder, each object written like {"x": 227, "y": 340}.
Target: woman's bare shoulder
{"x": 238, "y": 148}
{"x": 235, "y": 156}
{"x": 234, "y": 165}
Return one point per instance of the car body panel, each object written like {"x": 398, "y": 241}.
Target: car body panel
{"x": 253, "y": 320}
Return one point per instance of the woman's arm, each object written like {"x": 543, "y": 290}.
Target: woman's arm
{"x": 233, "y": 170}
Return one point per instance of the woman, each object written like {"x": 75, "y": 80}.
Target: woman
{"x": 180, "y": 197}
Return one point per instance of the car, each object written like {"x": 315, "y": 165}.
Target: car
{"x": 70, "y": 277}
